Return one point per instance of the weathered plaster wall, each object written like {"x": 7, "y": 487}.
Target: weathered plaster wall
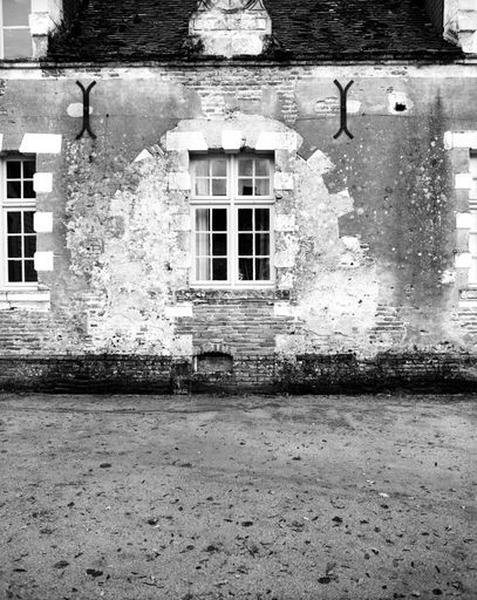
{"x": 366, "y": 228}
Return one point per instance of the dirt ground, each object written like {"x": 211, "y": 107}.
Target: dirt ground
{"x": 289, "y": 498}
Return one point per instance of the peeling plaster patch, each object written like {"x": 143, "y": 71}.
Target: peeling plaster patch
{"x": 290, "y": 345}
{"x": 179, "y": 311}
{"x": 284, "y": 222}
{"x": 179, "y": 181}
{"x": 283, "y": 181}
{"x": 43, "y": 183}
{"x": 283, "y": 309}
{"x": 399, "y": 103}
{"x": 463, "y": 260}
{"x": 193, "y": 141}
{"x": 41, "y": 143}
{"x": 43, "y": 222}
{"x": 182, "y": 345}
{"x": 448, "y": 277}
{"x": 43, "y": 261}
{"x": 76, "y": 110}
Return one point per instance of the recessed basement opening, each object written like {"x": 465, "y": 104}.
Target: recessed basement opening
{"x": 400, "y": 107}
{"x": 213, "y": 362}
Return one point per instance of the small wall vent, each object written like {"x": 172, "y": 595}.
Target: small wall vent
{"x": 210, "y": 363}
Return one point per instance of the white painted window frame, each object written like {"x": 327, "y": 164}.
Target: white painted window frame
{"x": 11, "y": 28}
{"x": 233, "y": 202}
{"x": 472, "y": 280}
{"x": 7, "y": 204}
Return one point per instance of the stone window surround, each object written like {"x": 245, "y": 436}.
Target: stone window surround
{"x": 233, "y": 202}
{"x": 267, "y": 137}
{"x": 32, "y": 297}
{"x": 463, "y": 146}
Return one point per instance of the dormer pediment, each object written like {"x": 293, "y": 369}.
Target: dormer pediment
{"x": 231, "y": 27}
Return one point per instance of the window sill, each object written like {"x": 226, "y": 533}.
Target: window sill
{"x": 24, "y": 299}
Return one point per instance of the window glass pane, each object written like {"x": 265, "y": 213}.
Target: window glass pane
{"x": 245, "y": 219}
{"x": 262, "y": 219}
{"x": 246, "y": 269}
{"x": 246, "y": 244}
{"x": 219, "y": 167}
{"x": 29, "y": 246}
{"x": 28, "y": 222}
{"x": 202, "y": 219}
{"x": 203, "y": 269}
{"x": 29, "y": 169}
{"x": 14, "y": 169}
{"x": 14, "y": 246}
{"x": 14, "y": 224}
{"x": 219, "y": 187}
{"x": 262, "y": 167}
{"x": 219, "y": 244}
{"x": 262, "y": 269}
{"x": 219, "y": 219}
{"x": 202, "y": 187}
{"x": 30, "y": 273}
{"x": 14, "y": 189}
{"x": 17, "y": 43}
{"x": 219, "y": 269}
{"x": 245, "y": 187}
{"x": 262, "y": 244}
{"x": 201, "y": 167}
{"x": 262, "y": 187}
{"x": 202, "y": 244}
{"x": 246, "y": 167}
{"x": 14, "y": 271}
{"x": 15, "y": 12}
{"x": 28, "y": 191}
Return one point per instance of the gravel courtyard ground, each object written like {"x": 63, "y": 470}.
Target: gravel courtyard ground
{"x": 323, "y": 498}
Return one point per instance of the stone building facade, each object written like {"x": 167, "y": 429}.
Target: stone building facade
{"x": 238, "y": 195}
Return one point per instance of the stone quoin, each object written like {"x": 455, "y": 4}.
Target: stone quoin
{"x": 193, "y": 221}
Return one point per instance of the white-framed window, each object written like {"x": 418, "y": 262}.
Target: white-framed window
{"x": 15, "y": 34}
{"x": 232, "y": 215}
{"x": 17, "y": 233}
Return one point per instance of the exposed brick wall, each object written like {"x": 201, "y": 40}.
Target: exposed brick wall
{"x": 435, "y": 8}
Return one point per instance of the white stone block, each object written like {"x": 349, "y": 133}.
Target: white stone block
{"x": 181, "y": 222}
{"x": 179, "y": 181}
{"x": 276, "y": 140}
{"x": 43, "y": 261}
{"x": 463, "y": 220}
{"x": 1, "y": 142}
{"x": 285, "y": 222}
{"x": 179, "y": 311}
{"x": 232, "y": 140}
{"x": 285, "y": 259}
{"x": 463, "y": 181}
{"x": 144, "y": 155}
{"x": 43, "y": 183}
{"x": 283, "y": 181}
{"x": 460, "y": 139}
{"x": 40, "y": 6}
{"x": 43, "y": 222}
{"x": 283, "y": 309}
{"x": 463, "y": 260}
{"x": 193, "y": 141}
{"x": 319, "y": 162}
{"x": 40, "y": 23}
{"x": 41, "y": 143}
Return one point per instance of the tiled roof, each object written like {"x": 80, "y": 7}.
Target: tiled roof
{"x": 136, "y": 30}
